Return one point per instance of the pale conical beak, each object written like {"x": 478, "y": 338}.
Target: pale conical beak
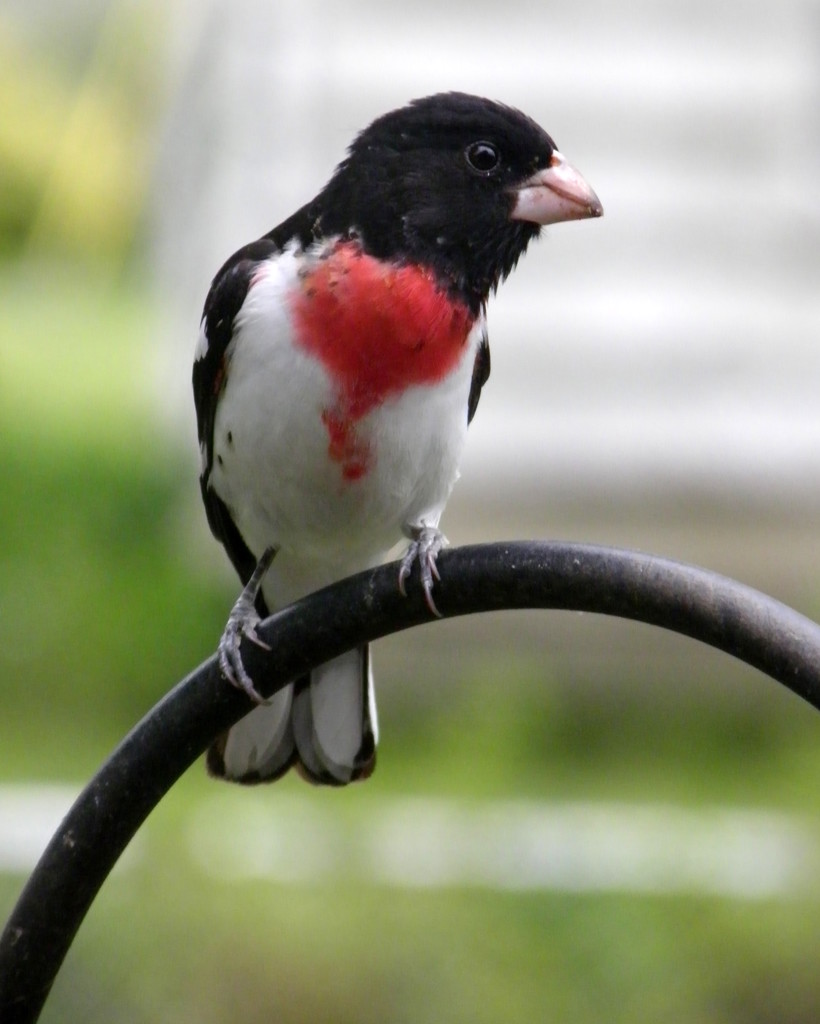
{"x": 553, "y": 194}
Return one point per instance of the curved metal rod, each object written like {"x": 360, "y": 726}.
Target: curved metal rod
{"x": 482, "y": 578}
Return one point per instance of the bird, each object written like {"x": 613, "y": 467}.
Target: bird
{"x": 340, "y": 360}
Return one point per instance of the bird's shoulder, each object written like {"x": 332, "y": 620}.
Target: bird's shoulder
{"x": 226, "y": 297}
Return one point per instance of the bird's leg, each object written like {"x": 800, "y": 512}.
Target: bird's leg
{"x": 425, "y": 544}
{"x": 243, "y": 621}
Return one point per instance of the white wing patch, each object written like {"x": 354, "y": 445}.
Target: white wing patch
{"x": 201, "y": 343}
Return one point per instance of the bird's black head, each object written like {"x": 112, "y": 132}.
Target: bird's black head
{"x": 455, "y": 182}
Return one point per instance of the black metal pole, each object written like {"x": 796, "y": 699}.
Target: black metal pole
{"x": 491, "y": 577}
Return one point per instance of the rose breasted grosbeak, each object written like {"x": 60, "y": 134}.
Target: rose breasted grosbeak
{"x": 340, "y": 359}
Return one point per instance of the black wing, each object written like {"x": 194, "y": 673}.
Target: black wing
{"x": 481, "y": 374}
{"x": 225, "y": 299}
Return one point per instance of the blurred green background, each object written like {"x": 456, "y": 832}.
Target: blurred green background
{"x": 111, "y": 590}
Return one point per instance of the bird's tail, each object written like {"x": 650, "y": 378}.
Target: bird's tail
{"x": 324, "y": 724}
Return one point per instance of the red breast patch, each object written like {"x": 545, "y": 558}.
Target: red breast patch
{"x": 378, "y": 329}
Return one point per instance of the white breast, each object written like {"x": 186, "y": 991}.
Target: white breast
{"x": 271, "y": 462}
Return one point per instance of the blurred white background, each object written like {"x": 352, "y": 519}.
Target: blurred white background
{"x": 674, "y": 343}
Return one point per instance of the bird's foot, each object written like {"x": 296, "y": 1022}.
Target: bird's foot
{"x": 243, "y": 621}
{"x": 425, "y": 544}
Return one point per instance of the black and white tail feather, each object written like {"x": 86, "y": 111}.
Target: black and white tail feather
{"x": 324, "y": 725}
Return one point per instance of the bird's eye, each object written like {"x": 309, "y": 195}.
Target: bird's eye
{"x": 482, "y": 157}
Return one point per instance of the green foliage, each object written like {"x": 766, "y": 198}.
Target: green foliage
{"x": 75, "y": 143}
{"x": 170, "y": 946}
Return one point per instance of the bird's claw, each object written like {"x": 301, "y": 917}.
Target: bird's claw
{"x": 425, "y": 546}
{"x": 230, "y": 655}
{"x": 242, "y": 622}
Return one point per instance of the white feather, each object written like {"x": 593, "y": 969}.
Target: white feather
{"x": 261, "y": 744}
{"x": 201, "y": 349}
